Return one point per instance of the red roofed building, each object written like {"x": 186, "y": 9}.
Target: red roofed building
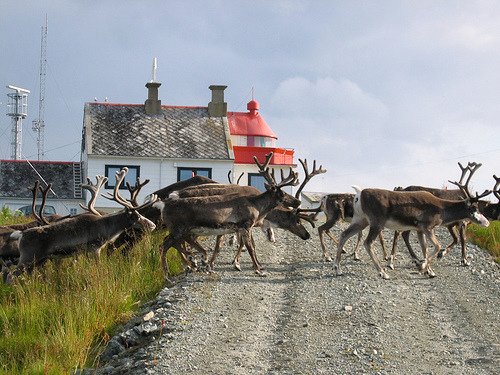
{"x": 251, "y": 136}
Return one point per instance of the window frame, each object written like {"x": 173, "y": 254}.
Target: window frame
{"x": 250, "y": 175}
{"x": 193, "y": 170}
{"x": 110, "y": 184}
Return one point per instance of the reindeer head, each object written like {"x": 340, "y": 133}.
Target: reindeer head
{"x": 472, "y": 202}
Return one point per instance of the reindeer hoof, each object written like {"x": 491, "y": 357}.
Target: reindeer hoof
{"x": 237, "y": 266}
{"x": 391, "y": 266}
{"x": 384, "y": 276}
{"x": 465, "y": 262}
{"x": 328, "y": 258}
{"x": 356, "y": 257}
{"x": 260, "y": 273}
{"x": 338, "y": 272}
{"x": 431, "y": 273}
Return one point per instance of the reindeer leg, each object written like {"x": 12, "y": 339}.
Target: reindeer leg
{"x": 382, "y": 244}
{"x": 204, "y": 253}
{"x": 353, "y": 229}
{"x": 169, "y": 242}
{"x": 236, "y": 260}
{"x": 372, "y": 234}
{"x": 462, "y": 230}
{"x": 218, "y": 244}
{"x": 426, "y": 266}
{"x": 325, "y": 228}
{"x": 454, "y": 235}
{"x": 406, "y": 238}
{"x": 248, "y": 241}
{"x": 270, "y": 235}
{"x": 356, "y": 247}
{"x": 397, "y": 233}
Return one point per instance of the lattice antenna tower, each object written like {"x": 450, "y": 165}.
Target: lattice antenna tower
{"x": 38, "y": 125}
{"x": 18, "y": 110}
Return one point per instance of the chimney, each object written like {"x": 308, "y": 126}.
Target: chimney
{"x": 217, "y": 107}
{"x": 152, "y": 105}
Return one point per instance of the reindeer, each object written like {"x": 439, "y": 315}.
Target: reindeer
{"x": 457, "y": 230}
{"x": 489, "y": 209}
{"x": 407, "y": 210}
{"x": 282, "y": 216}
{"x": 9, "y": 247}
{"x": 188, "y": 218}
{"x": 338, "y": 206}
{"x": 88, "y": 231}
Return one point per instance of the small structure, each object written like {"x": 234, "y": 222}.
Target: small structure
{"x": 18, "y": 110}
{"x": 18, "y": 176}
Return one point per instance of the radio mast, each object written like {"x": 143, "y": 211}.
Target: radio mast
{"x": 38, "y": 125}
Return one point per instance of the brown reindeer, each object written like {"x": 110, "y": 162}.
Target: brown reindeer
{"x": 87, "y": 232}
{"x": 406, "y": 210}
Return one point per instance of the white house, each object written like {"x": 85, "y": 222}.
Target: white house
{"x": 166, "y": 144}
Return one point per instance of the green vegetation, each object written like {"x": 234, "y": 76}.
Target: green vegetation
{"x": 59, "y": 318}
{"x": 9, "y": 217}
{"x": 487, "y": 238}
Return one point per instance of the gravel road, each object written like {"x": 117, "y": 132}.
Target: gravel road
{"x": 302, "y": 319}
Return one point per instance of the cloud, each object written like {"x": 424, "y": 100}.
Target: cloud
{"x": 327, "y": 101}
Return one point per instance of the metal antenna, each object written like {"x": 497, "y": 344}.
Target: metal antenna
{"x": 38, "y": 125}
{"x": 153, "y": 72}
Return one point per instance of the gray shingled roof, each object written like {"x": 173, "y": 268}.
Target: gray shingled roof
{"x": 17, "y": 176}
{"x": 177, "y": 132}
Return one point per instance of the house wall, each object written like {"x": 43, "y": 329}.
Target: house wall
{"x": 160, "y": 172}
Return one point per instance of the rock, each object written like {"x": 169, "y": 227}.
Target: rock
{"x": 113, "y": 348}
{"x": 148, "y": 316}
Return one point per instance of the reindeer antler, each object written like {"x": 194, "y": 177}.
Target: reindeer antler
{"x": 496, "y": 188}
{"x": 264, "y": 168}
{"x": 472, "y": 167}
{"x": 238, "y": 180}
{"x": 308, "y": 175}
{"x": 120, "y": 176}
{"x": 291, "y": 180}
{"x": 44, "y": 200}
{"x": 34, "y": 190}
{"x": 135, "y": 190}
{"x": 94, "y": 190}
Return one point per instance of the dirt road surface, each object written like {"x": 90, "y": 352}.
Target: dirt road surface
{"x": 302, "y": 319}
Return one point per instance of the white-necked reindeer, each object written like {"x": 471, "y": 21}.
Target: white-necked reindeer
{"x": 458, "y": 229}
{"x": 406, "y": 210}
{"x": 87, "y": 232}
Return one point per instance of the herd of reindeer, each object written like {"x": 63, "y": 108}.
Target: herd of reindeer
{"x": 200, "y": 207}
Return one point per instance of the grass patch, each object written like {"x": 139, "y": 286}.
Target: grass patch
{"x": 59, "y": 318}
{"x": 487, "y": 238}
{"x": 7, "y": 217}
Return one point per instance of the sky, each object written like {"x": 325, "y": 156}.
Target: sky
{"x": 380, "y": 93}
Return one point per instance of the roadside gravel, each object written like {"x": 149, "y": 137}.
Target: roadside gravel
{"x": 302, "y": 319}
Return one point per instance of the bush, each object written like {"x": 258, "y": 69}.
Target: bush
{"x": 8, "y": 217}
